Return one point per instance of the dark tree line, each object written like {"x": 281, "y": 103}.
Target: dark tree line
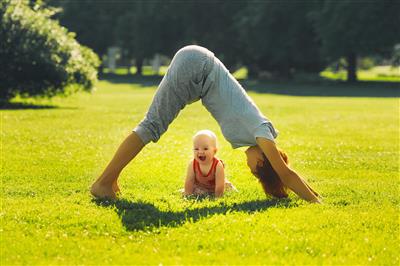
{"x": 357, "y": 28}
{"x": 43, "y": 43}
{"x": 277, "y": 37}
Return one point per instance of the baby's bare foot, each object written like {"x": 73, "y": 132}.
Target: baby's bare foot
{"x": 101, "y": 191}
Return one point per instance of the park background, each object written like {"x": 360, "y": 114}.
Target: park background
{"x": 325, "y": 72}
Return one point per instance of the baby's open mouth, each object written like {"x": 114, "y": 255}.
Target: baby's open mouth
{"x": 202, "y": 158}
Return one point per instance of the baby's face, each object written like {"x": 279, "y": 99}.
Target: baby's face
{"x": 204, "y": 149}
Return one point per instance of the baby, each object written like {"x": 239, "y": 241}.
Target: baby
{"x": 205, "y": 173}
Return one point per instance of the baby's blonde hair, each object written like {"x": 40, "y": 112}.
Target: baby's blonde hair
{"x": 208, "y": 133}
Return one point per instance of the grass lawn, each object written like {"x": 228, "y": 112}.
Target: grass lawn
{"x": 346, "y": 147}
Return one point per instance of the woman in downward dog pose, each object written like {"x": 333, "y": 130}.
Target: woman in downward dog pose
{"x": 195, "y": 73}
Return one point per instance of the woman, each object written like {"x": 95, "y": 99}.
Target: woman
{"x": 195, "y": 73}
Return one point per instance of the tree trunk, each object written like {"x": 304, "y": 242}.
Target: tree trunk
{"x": 139, "y": 66}
{"x": 252, "y": 71}
{"x": 128, "y": 68}
{"x": 351, "y": 67}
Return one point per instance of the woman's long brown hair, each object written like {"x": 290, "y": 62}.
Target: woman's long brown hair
{"x": 270, "y": 180}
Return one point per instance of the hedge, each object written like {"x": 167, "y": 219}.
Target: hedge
{"x": 38, "y": 57}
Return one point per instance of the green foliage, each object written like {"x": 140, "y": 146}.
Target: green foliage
{"x": 137, "y": 29}
{"x": 365, "y": 28}
{"x": 347, "y": 154}
{"x": 145, "y": 28}
{"x": 270, "y": 38}
{"x": 212, "y": 24}
{"x": 357, "y": 28}
{"x": 38, "y": 57}
{"x": 93, "y": 21}
{"x": 279, "y": 37}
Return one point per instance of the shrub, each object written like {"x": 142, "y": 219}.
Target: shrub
{"x": 38, "y": 57}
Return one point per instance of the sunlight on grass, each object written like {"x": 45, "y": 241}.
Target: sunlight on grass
{"x": 147, "y": 71}
{"x": 241, "y": 73}
{"x": 347, "y": 148}
{"x": 378, "y": 73}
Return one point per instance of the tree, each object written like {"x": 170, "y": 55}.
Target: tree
{"x": 212, "y": 24}
{"x": 279, "y": 37}
{"x": 164, "y": 27}
{"x": 92, "y": 21}
{"x": 39, "y": 57}
{"x": 357, "y": 28}
{"x": 136, "y": 31}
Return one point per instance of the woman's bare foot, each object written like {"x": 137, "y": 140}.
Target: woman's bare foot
{"x": 102, "y": 191}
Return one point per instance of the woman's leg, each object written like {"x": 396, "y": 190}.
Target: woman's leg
{"x": 180, "y": 86}
{"x": 164, "y": 108}
{"x": 106, "y": 185}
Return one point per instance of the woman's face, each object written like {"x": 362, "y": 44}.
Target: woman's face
{"x": 254, "y": 158}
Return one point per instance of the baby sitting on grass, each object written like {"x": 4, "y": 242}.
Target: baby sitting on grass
{"x": 205, "y": 172}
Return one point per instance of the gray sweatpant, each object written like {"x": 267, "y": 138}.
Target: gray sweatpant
{"x": 196, "y": 73}
{"x": 182, "y": 85}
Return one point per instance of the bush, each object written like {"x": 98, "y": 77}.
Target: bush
{"x": 365, "y": 63}
{"x": 38, "y": 57}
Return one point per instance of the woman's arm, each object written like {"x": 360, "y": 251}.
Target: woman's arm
{"x": 312, "y": 190}
{"x": 289, "y": 177}
{"x": 219, "y": 180}
{"x": 189, "y": 182}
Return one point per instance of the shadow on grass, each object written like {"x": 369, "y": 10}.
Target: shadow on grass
{"x": 23, "y": 106}
{"x": 316, "y": 87}
{"x": 145, "y": 216}
{"x": 32, "y": 106}
{"x": 325, "y": 88}
{"x": 143, "y": 81}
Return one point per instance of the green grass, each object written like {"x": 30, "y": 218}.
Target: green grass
{"x": 346, "y": 147}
